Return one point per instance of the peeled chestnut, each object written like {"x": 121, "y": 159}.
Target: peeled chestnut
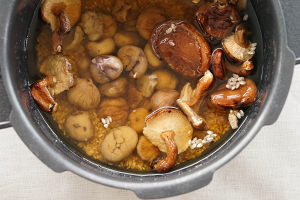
{"x": 182, "y": 47}
{"x": 217, "y": 20}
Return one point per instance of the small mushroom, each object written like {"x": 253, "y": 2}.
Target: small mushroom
{"x": 243, "y": 69}
{"x": 190, "y": 96}
{"x": 238, "y": 47}
{"x": 42, "y": 96}
{"x": 79, "y": 126}
{"x": 115, "y": 88}
{"x": 197, "y": 121}
{"x": 61, "y": 15}
{"x": 164, "y": 97}
{"x": 245, "y": 95}
{"x": 168, "y": 119}
{"x": 84, "y": 94}
{"x": 119, "y": 143}
{"x": 147, "y": 21}
{"x": 103, "y": 47}
{"x": 146, "y": 84}
{"x": 217, "y": 63}
{"x": 105, "y": 68}
{"x": 169, "y": 161}
{"x": 169, "y": 130}
{"x": 134, "y": 60}
{"x": 92, "y": 24}
{"x": 58, "y": 67}
{"x": 217, "y": 20}
{"x": 73, "y": 40}
{"x": 182, "y": 47}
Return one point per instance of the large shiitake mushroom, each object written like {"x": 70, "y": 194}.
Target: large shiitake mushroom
{"x": 79, "y": 126}
{"x": 84, "y": 94}
{"x": 182, "y": 47}
{"x": 217, "y": 20}
{"x": 105, "y": 68}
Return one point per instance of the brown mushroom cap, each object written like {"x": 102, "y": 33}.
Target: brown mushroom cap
{"x": 217, "y": 20}
{"x": 245, "y": 95}
{"x": 51, "y": 9}
{"x": 168, "y": 119}
{"x": 182, "y": 47}
{"x": 235, "y": 51}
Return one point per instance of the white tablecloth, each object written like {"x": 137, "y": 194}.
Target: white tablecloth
{"x": 269, "y": 168}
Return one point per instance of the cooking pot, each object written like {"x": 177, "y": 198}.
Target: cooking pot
{"x": 275, "y": 60}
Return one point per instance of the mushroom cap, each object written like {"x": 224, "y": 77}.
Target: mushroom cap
{"x": 235, "y": 51}
{"x": 183, "y": 48}
{"x": 59, "y": 68}
{"x": 51, "y": 8}
{"x": 217, "y": 20}
{"x": 168, "y": 119}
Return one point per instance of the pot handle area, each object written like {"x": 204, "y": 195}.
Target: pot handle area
{"x": 5, "y": 107}
{"x": 172, "y": 187}
{"x": 291, "y": 11}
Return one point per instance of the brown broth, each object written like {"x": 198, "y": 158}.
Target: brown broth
{"x": 176, "y": 9}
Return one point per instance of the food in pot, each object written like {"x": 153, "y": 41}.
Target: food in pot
{"x": 135, "y": 83}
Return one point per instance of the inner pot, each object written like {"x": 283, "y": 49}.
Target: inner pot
{"x": 43, "y": 137}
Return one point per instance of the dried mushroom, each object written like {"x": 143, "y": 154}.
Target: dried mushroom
{"x": 168, "y": 119}
{"x": 147, "y": 21}
{"x": 134, "y": 60}
{"x": 119, "y": 143}
{"x": 84, "y": 94}
{"x": 104, "y": 47}
{"x": 61, "y": 15}
{"x": 105, "y": 68}
{"x": 58, "y": 67}
{"x": 182, "y": 47}
{"x": 217, "y": 63}
{"x": 243, "y": 69}
{"x": 42, "y": 96}
{"x": 243, "y": 96}
{"x": 164, "y": 97}
{"x": 115, "y": 108}
{"x": 190, "y": 96}
{"x": 146, "y": 150}
{"x": 79, "y": 126}
{"x": 237, "y": 46}
{"x": 137, "y": 119}
{"x": 73, "y": 40}
{"x": 217, "y": 20}
{"x": 115, "y": 88}
{"x": 124, "y": 38}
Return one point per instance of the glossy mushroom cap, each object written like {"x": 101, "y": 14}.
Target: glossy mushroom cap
{"x": 182, "y": 47}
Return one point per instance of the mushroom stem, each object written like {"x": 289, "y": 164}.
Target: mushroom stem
{"x": 241, "y": 36}
{"x": 217, "y": 62}
{"x": 203, "y": 84}
{"x": 58, "y": 35}
{"x": 169, "y": 161}
{"x": 244, "y": 69}
{"x": 197, "y": 121}
{"x": 42, "y": 96}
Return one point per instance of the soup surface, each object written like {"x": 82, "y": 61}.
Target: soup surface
{"x": 114, "y": 71}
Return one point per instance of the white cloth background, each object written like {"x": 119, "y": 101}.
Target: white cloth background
{"x": 269, "y": 168}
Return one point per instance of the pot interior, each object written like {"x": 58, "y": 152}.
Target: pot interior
{"x": 23, "y": 72}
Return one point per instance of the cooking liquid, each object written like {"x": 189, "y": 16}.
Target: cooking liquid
{"x": 175, "y": 9}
